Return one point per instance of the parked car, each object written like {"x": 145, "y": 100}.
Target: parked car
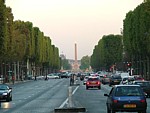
{"x": 93, "y": 82}
{"x": 30, "y": 77}
{"x": 5, "y": 92}
{"x": 145, "y": 85}
{"x": 52, "y": 76}
{"x": 64, "y": 75}
{"x": 115, "y": 79}
{"x": 126, "y": 98}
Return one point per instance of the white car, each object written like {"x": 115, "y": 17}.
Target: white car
{"x": 85, "y": 79}
{"x": 127, "y": 80}
{"x": 52, "y": 76}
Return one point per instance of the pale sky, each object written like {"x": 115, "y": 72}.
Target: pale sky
{"x": 67, "y": 22}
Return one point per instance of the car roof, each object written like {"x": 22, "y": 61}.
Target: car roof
{"x": 4, "y": 85}
{"x": 126, "y": 85}
{"x": 141, "y": 81}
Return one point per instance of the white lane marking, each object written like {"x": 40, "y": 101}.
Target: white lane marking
{"x": 65, "y": 102}
{"x": 75, "y": 90}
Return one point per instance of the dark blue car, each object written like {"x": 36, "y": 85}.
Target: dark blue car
{"x": 5, "y": 92}
{"x": 126, "y": 98}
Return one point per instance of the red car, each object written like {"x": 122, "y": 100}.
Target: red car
{"x": 138, "y": 77}
{"x": 93, "y": 82}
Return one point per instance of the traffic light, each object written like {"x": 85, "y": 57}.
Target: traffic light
{"x": 129, "y": 64}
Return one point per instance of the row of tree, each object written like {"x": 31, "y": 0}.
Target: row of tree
{"x": 107, "y": 52}
{"x": 132, "y": 46}
{"x": 136, "y": 38}
{"x": 21, "y": 42}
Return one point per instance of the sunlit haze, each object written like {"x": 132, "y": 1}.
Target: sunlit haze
{"x": 68, "y": 22}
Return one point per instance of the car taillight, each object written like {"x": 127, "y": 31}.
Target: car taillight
{"x": 98, "y": 82}
{"x": 87, "y": 83}
{"x": 115, "y": 101}
{"x": 142, "y": 101}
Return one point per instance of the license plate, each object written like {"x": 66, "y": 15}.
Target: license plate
{"x": 130, "y": 106}
{"x": 93, "y": 82}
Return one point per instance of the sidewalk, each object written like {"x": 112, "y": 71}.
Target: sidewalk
{"x": 16, "y": 82}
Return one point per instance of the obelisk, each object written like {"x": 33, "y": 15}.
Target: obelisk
{"x": 75, "y": 61}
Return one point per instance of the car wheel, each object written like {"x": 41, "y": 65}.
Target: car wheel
{"x": 99, "y": 87}
{"x": 8, "y": 99}
{"x": 11, "y": 98}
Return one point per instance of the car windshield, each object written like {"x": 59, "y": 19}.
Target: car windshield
{"x": 128, "y": 91}
{"x": 93, "y": 79}
{"x": 116, "y": 77}
{"x": 3, "y": 87}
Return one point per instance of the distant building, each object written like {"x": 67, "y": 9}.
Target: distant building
{"x": 62, "y": 56}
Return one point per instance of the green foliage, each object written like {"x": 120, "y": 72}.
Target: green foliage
{"x": 3, "y": 30}
{"x": 137, "y": 30}
{"x": 107, "y": 52}
{"x": 85, "y": 62}
{"x": 65, "y": 64}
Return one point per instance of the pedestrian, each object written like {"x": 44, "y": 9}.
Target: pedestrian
{"x": 71, "y": 80}
{"x": 13, "y": 79}
{"x": 35, "y": 77}
{"x": 46, "y": 78}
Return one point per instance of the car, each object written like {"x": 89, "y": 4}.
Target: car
{"x": 5, "y": 92}
{"x": 138, "y": 77}
{"x": 127, "y": 80}
{"x": 145, "y": 85}
{"x": 52, "y": 76}
{"x": 64, "y": 75}
{"x": 124, "y": 80}
{"x": 106, "y": 80}
{"x": 126, "y": 98}
{"x": 85, "y": 79}
{"x": 124, "y": 74}
{"x": 115, "y": 79}
{"x": 30, "y": 77}
{"x": 93, "y": 82}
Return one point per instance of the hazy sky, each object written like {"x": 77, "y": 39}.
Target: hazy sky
{"x": 68, "y": 22}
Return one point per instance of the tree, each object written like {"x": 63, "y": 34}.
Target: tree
{"x": 65, "y": 64}
{"x": 108, "y": 52}
{"x": 85, "y": 63}
{"x": 136, "y": 38}
{"x": 10, "y": 36}
{"x": 3, "y": 29}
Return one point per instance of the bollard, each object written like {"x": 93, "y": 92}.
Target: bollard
{"x": 70, "y": 107}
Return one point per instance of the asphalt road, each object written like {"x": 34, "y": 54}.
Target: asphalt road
{"x": 44, "y": 96}
{"x": 37, "y": 96}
